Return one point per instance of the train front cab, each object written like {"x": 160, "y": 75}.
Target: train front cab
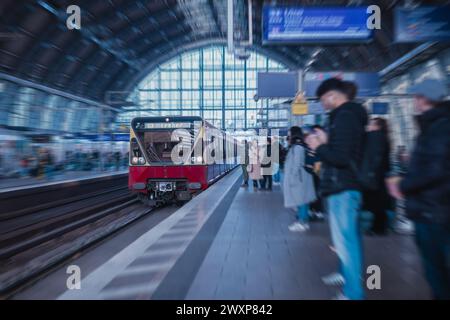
{"x": 153, "y": 176}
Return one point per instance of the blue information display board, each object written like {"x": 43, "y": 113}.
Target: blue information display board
{"x": 287, "y": 24}
{"x": 425, "y": 23}
{"x": 380, "y": 108}
{"x": 368, "y": 82}
{"x": 277, "y": 84}
{"x": 121, "y": 136}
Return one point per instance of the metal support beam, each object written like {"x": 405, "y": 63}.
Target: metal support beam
{"x": 215, "y": 16}
{"x": 245, "y": 95}
{"x": 91, "y": 36}
{"x": 30, "y": 84}
{"x": 230, "y": 26}
{"x": 223, "y": 88}
{"x": 405, "y": 58}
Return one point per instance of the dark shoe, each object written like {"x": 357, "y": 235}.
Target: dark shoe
{"x": 380, "y": 232}
{"x": 374, "y": 233}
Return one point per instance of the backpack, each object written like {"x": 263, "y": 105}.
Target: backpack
{"x": 368, "y": 172}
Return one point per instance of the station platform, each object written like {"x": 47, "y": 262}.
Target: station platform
{"x": 231, "y": 242}
{"x": 7, "y": 184}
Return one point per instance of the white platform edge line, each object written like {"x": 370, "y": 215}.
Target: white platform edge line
{"x": 100, "y": 277}
{"x": 129, "y": 292}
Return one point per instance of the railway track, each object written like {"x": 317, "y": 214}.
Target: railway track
{"x": 34, "y": 240}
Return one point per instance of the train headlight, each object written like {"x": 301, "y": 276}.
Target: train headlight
{"x": 199, "y": 159}
{"x": 195, "y": 185}
{"x": 141, "y": 160}
{"x": 134, "y": 160}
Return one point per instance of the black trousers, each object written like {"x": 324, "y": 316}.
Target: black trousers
{"x": 266, "y": 182}
{"x": 317, "y": 205}
{"x": 378, "y": 202}
{"x": 433, "y": 241}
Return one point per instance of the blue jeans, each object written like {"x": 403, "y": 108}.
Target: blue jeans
{"x": 276, "y": 176}
{"x": 303, "y": 213}
{"x": 343, "y": 211}
{"x": 433, "y": 241}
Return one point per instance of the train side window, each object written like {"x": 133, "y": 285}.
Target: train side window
{"x": 213, "y": 151}
{"x": 224, "y": 148}
{"x": 136, "y": 151}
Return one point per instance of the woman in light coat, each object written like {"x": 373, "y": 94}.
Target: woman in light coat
{"x": 298, "y": 184}
{"x": 254, "y": 167}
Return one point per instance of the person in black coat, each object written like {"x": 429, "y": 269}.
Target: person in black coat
{"x": 338, "y": 149}
{"x": 377, "y": 200}
{"x": 312, "y": 165}
{"x": 244, "y": 164}
{"x": 266, "y": 181}
{"x": 426, "y": 185}
{"x": 346, "y": 129}
{"x": 282, "y": 152}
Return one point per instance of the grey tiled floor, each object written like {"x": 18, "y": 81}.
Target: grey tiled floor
{"x": 254, "y": 256}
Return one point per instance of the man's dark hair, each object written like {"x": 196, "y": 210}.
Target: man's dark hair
{"x": 352, "y": 89}
{"x": 296, "y": 131}
{"x": 333, "y": 84}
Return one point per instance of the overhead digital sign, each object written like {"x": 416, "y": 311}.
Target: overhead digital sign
{"x": 293, "y": 24}
{"x": 424, "y": 23}
{"x": 277, "y": 84}
{"x": 368, "y": 83}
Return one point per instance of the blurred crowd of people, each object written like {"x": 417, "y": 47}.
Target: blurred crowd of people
{"x": 348, "y": 168}
{"x": 42, "y": 163}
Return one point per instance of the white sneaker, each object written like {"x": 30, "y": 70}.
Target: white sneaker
{"x": 298, "y": 227}
{"x": 334, "y": 279}
{"x": 340, "y": 296}
{"x": 404, "y": 226}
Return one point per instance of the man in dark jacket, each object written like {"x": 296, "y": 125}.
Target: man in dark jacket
{"x": 244, "y": 164}
{"x": 339, "y": 151}
{"x": 426, "y": 185}
{"x": 377, "y": 162}
{"x": 266, "y": 182}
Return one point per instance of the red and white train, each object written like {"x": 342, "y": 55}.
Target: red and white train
{"x": 153, "y": 174}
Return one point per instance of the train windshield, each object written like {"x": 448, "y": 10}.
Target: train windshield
{"x": 161, "y": 143}
{"x": 164, "y": 140}
{"x": 158, "y": 145}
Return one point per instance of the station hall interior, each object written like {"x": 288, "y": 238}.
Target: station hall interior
{"x": 93, "y": 95}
